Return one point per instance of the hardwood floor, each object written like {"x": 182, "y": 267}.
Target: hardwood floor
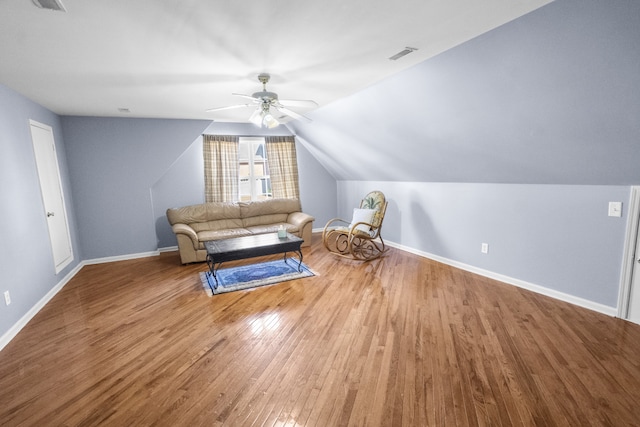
{"x": 400, "y": 341}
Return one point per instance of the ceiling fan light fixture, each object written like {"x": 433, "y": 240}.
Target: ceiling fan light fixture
{"x": 256, "y": 118}
{"x": 262, "y": 117}
{"x": 269, "y": 121}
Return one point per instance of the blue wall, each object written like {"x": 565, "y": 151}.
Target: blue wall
{"x": 125, "y": 173}
{"x": 556, "y": 237}
{"x": 113, "y": 164}
{"x": 26, "y": 260}
{"x": 518, "y": 138}
{"x": 550, "y": 98}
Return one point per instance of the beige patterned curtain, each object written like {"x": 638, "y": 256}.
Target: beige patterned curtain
{"x": 220, "y": 168}
{"x": 283, "y": 166}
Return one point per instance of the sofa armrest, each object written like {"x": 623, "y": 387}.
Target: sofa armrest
{"x": 188, "y": 231}
{"x": 299, "y": 219}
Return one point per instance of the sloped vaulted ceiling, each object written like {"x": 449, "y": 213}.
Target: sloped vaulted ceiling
{"x": 176, "y": 59}
{"x": 549, "y": 98}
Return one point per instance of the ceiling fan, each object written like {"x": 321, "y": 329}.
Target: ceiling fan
{"x": 264, "y": 100}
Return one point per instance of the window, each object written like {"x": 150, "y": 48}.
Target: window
{"x": 249, "y": 168}
{"x": 253, "y": 171}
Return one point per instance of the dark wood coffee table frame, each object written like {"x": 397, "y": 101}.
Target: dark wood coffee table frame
{"x": 237, "y": 248}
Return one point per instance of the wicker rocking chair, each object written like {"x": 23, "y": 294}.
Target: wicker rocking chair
{"x": 359, "y": 239}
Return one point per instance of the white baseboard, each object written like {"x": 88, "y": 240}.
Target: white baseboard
{"x": 17, "y": 327}
{"x": 121, "y": 257}
{"x": 610, "y": 311}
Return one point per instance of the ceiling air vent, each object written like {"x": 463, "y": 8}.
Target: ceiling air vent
{"x": 50, "y": 4}
{"x": 406, "y": 51}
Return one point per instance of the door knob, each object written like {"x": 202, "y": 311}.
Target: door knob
{"x": 49, "y": 214}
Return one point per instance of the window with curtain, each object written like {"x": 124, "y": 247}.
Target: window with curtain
{"x": 220, "y": 154}
{"x": 283, "y": 166}
{"x": 250, "y": 168}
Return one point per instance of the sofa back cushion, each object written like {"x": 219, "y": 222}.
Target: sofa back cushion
{"x": 207, "y": 216}
{"x": 271, "y": 211}
{"x": 231, "y": 215}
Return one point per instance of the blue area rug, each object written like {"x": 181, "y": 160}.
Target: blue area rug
{"x": 254, "y": 275}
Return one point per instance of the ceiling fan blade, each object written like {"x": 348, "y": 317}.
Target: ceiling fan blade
{"x": 298, "y": 103}
{"x": 290, "y": 113}
{"x": 230, "y": 107}
{"x": 247, "y": 97}
{"x": 256, "y": 117}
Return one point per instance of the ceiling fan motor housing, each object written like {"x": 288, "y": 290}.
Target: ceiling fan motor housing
{"x": 266, "y": 96}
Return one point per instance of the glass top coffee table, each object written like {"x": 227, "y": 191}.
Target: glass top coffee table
{"x": 237, "y": 248}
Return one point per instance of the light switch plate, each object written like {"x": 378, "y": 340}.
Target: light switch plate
{"x": 615, "y": 209}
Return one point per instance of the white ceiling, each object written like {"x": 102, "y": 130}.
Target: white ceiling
{"x": 178, "y": 58}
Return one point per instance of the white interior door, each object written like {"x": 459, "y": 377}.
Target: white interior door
{"x": 52, "y": 197}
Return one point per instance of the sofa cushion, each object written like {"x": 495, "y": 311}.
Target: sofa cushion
{"x": 205, "y": 235}
{"x": 219, "y": 224}
{"x": 264, "y": 220}
{"x": 267, "y": 212}
{"x": 268, "y": 207}
{"x": 272, "y": 228}
{"x": 203, "y": 212}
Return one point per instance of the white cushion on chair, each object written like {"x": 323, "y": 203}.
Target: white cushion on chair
{"x": 362, "y": 215}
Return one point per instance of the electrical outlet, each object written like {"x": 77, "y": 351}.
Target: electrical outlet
{"x": 484, "y": 248}
{"x": 7, "y": 297}
{"x": 615, "y": 209}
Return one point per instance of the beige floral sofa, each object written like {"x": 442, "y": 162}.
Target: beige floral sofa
{"x": 195, "y": 224}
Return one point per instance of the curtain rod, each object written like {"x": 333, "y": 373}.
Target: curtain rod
{"x": 245, "y": 136}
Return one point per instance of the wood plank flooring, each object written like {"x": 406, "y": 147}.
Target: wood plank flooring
{"x": 400, "y": 341}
